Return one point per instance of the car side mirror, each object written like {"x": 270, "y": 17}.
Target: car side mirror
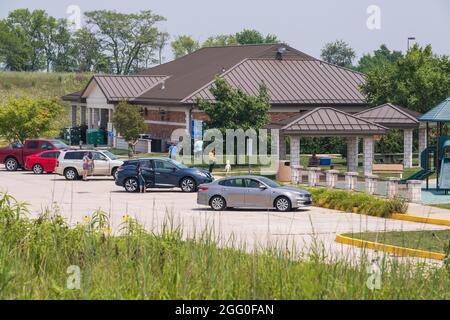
{"x": 262, "y": 187}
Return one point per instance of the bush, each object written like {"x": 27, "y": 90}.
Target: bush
{"x": 356, "y": 202}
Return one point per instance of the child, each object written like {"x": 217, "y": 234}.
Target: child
{"x": 141, "y": 179}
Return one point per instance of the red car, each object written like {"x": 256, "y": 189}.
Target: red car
{"x": 42, "y": 162}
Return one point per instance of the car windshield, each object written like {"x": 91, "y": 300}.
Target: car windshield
{"x": 60, "y": 144}
{"x": 178, "y": 164}
{"x": 110, "y": 155}
{"x": 269, "y": 182}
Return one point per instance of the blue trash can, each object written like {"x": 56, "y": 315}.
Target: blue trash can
{"x": 325, "y": 161}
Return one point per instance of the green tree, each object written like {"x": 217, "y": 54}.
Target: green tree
{"x": 124, "y": 37}
{"x": 251, "y": 36}
{"x": 23, "y": 118}
{"x": 183, "y": 45}
{"x": 338, "y": 53}
{"x": 86, "y": 51}
{"x": 129, "y": 122}
{"x": 379, "y": 58}
{"x": 220, "y": 40}
{"x": 234, "y": 109}
{"x": 418, "y": 81}
{"x": 21, "y": 40}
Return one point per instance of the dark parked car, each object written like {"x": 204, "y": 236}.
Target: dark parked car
{"x": 161, "y": 173}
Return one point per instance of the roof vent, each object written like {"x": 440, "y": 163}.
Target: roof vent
{"x": 163, "y": 84}
{"x": 280, "y": 52}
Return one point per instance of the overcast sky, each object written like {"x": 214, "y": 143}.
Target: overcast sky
{"x": 305, "y": 25}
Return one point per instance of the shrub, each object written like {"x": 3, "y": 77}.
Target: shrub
{"x": 356, "y": 202}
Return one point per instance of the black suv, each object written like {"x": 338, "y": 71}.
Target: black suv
{"x": 161, "y": 173}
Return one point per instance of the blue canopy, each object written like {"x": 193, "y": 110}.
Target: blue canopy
{"x": 440, "y": 113}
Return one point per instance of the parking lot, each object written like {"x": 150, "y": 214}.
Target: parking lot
{"x": 305, "y": 228}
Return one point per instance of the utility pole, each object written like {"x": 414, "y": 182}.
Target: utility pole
{"x": 410, "y": 39}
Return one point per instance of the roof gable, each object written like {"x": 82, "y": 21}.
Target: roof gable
{"x": 329, "y": 121}
{"x": 117, "y": 87}
{"x": 440, "y": 113}
{"x": 391, "y": 115}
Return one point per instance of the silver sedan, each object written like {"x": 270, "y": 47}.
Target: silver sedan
{"x": 251, "y": 192}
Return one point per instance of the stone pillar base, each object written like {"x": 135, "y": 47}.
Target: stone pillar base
{"x": 371, "y": 183}
{"x": 392, "y": 187}
{"x": 313, "y": 176}
{"x": 331, "y": 177}
{"x": 351, "y": 178}
{"x": 414, "y": 191}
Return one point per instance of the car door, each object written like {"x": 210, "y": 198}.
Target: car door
{"x": 101, "y": 164}
{"x": 233, "y": 190}
{"x": 148, "y": 171}
{"x": 31, "y": 147}
{"x": 165, "y": 173}
{"x": 49, "y": 160}
{"x": 257, "y": 194}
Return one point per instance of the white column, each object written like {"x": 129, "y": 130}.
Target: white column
{"x": 282, "y": 146}
{"x": 407, "y": 148}
{"x": 368, "y": 155}
{"x": 74, "y": 115}
{"x": 83, "y": 115}
{"x": 96, "y": 117}
{"x": 188, "y": 119}
{"x": 352, "y": 154}
{"x": 313, "y": 176}
{"x": 295, "y": 150}
{"x": 90, "y": 118}
{"x": 422, "y": 143}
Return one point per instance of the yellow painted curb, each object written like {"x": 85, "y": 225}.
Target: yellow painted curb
{"x": 407, "y": 217}
{"x": 399, "y": 251}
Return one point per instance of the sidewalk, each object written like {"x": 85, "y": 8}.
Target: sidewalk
{"x": 421, "y": 210}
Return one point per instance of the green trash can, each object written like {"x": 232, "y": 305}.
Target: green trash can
{"x": 95, "y": 136}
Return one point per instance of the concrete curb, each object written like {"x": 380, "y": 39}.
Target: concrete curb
{"x": 399, "y": 251}
{"x": 406, "y": 217}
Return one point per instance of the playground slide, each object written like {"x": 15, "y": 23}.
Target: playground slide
{"x": 420, "y": 175}
{"x": 444, "y": 176}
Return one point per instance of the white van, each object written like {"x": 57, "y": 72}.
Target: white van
{"x": 70, "y": 163}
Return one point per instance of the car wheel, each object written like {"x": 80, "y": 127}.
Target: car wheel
{"x": 71, "y": 174}
{"x": 131, "y": 185}
{"x": 188, "y": 185}
{"x": 11, "y": 164}
{"x": 283, "y": 204}
{"x": 37, "y": 169}
{"x": 114, "y": 173}
{"x": 218, "y": 203}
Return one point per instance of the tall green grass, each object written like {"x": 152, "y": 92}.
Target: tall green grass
{"x": 135, "y": 264}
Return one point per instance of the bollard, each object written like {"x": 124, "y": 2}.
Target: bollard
{"x": 371, "y": 183}
{"x": 296, "y": 177}
{"x": 351, "y": 180}
{"x": 392, "y": 187}
{"x": 414, "y": 190}
{"x": 331, "y": 177}
{"x": 313, "y": 176}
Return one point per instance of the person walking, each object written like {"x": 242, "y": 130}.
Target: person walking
{"x": 140, "y": 177}
{"x": 172, "y": 151}
{"x": 86, "y": 165}
{"x": 212, "y": 160}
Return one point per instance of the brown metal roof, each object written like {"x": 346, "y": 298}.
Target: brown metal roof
{"x": 193, "y": 71}
{"x": 74, "y": 97}
{"x": 329, "y": 121}
{"x": 293, "y": 81}
{"x": 117, "y": 87}
{"x": 391, "y": 116}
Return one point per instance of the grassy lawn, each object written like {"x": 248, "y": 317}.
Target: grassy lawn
{"x": 134, "y": 264}
{"x": 422, "y": 240}
{"x": 441, "y": 205}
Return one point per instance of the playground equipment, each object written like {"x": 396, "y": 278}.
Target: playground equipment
{"x": 440, "y": 153}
